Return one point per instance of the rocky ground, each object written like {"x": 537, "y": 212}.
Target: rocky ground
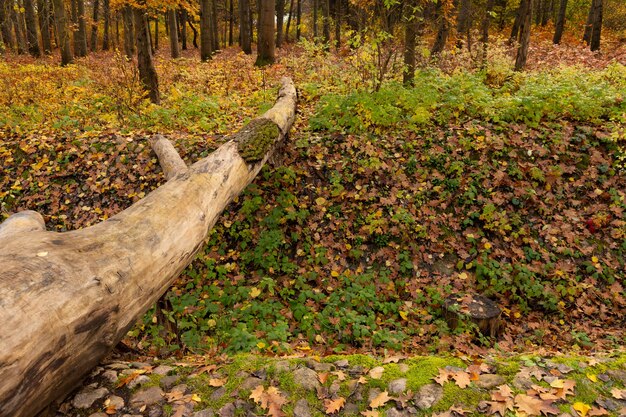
{"x": 394, "y": 386}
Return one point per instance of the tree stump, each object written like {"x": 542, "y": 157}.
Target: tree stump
{"x": 473, "y": 308}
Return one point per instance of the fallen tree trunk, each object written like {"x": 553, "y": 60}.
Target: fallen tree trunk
{"x": 66, "y": 299}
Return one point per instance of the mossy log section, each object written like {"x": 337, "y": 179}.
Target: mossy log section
{"x": 473, "y": 309}
{"x": 66, "y": 299}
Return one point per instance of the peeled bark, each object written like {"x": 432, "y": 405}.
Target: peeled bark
{"x": 66, "y": 299}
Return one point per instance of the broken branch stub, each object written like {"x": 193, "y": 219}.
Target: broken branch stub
{"x": 66, "y": 299}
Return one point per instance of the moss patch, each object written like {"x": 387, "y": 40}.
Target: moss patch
{"x": 255, "y": 139}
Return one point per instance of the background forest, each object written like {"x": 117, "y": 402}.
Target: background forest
{"x": 441, "y": 147}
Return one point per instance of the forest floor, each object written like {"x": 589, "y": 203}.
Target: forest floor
{"x": 386, "y": 201}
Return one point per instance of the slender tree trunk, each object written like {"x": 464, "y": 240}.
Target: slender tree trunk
{"x": 107, "y": 25}
{"x": 18, "y": 26}
{"x": 44, "y": 24}
{"x": 547, "y": 12}
{"x": 147, "y": 72}
{"x": 589, "y": 23}
{"x": 463, "y": 23}
{"x": 183, "y": 28}
{"x": 516, "y": 24}
{"x": 288, "y": 21}
{"x": 94, "y": 25}
{"x": 596, "y": 27}
{"x": 522, "y": 50}
{"x": 231, "y": 22}
{"x": 214, "y": 26}
{"x": 265, "y": 34}
{"x": 337, "y": 23}
{"x": 156, "y": 33}
{"x": 206, "y": 43}
{"x": 560, "y": 23}
{"x": 315, "y": 7}
{"x": 171, "y": 22}
{"x": 195, "y": 34}
{"x": 117, "y": 29}
{"x": 244, "y": 27}
{"x": 129, "y": 32}
{"x": 5, "y": 24}
{"x": 298, "y": 18}
{"x": 326, "y": 21}
{"x": 536, "y": 7}
{"x": 80, "y": 42}
{"x": 410, "y": 36}
{"x": 60, "y": 18}
{"x": 280, "y": 18}
{"x": 442, "y": 32}
{"x": 31, "y": 29}
{"x": 484, "y": 29}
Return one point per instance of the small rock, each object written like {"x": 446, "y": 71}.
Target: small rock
{"x": 111, "y": 375}
{"x": 319, "y": 366}
{"x": 373, "y": 393}
{"x": 148, "y": 396}
{"x": 88, "y": 396}
{"x": 117, "y": 366}
{"x": 617, "y": 375}
{"x": 155, "y": 412}
{"x": 182, "y": 388}
{"x": 428, "y": 395}
{"x": 96, "y": 371}
{"x": 250, "y": 383}
{"x": 168, "y": 382}
{"x": 342, "y": 363}
{"x": 218, "y": 394}
{"x": 98, "y": 415}
{"x": 334, "y": 388}
{"x": 162, "y": 370}
{"x": 356, "y": 371}
{"x": 260, "y": 373}
{"x": 115, "y": 402}
{"x": 394, "y": 412}
{"x": 397, "y": 386}
{"x": 282, "y": 366}
{"x": 183, "y": 410}
{"x": 403, "y": 367}
{"x": 306, "y": 378}
{"x": 302, "y": 409}
{"x": 139, "y": 365}
{"x": 522, "y": 382}
{"x": 351, "y": 409}
{"x": 207, "y": 412}
{"x": 227, "y": 411}
{"x": 140, "y": 380}
{"x": 488, "y": 381}
{"x": 608, "y": 403}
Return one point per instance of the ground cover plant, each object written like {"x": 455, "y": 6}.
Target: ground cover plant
{"x": 384, "y": 203}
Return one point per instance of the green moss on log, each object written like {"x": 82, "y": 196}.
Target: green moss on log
{"x": 256, "y": 139}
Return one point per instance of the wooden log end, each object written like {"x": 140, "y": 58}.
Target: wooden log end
{"x": 22, "y": 222}
{"x": 169, "y": 159}
{"x": 473, "y": 308}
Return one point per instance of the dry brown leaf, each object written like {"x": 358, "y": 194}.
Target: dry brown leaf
{"x": 258, "y": 396}
{"x": 275, "y": 401}
{"x": 370, "y": 413}
{"x": 323, "y": 377}
{"x": 217, "y": 382}
{"x": 462, "y": 379}
{"x": 332, "y": 406}
{"x": 618, "y": 394}
{"x": 598, "y": 411}
{"x": 393, "y": 359}
{"x": 377, "y": 372}
{"x": 340, "y": 375}
{"x": 443, "y": 376}
{"x": 532, "y": 406}
{"x": 380, "y": 400}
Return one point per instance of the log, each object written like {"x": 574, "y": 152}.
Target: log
{"x": 66, "y": 299}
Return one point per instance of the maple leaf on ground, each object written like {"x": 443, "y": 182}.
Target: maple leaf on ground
{"x": 532, "y": 406}
{"x": 323, "y": 377}
{"x": 370, "y": 413}
{"x": 271, "y": 400}
{"x": 493, "y": 407}
{"x": 462, "y": 379}
{"x": 258, "y": 395}
{"x": 217, "y": 382}
{"x": 598, "y": 411}
{"x": 444, "y": 376}
{"x": 332, "y": 406}
{"x": 380, "y": 399}
{"x": 618, "y": 394}
{"x": 503, "y": 393}
{"x": 567, "y": 389}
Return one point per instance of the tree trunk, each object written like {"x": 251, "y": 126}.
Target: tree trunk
{"x": 129, "y": 32}
{"x": 298, "y": 18}
{"x": 80, "y": 42}
{"x": 547, "y": 12}
{"x": 214, "y": 27}
{"x": 589, "y": 23}
{"x": 60, "y": 18}
{"x": 315, "y": 7}
{"x": 410, "y": 35}
{"x": 18, "y": 26}
{"x": 156, "y": 33}
{"x": 560, "y": 23}
{"x": 107, "y": 26}
{"x": 206, "y": 43}
{"x": 147, "y": 72}
{"x": 517, "y": 23}
{"x": 231, "y": 21}
{"x": 526, "y": 23}
{"x": 463, "y": 23}
{"x": 337, "y": 23}
{"x": 5, "y": 25}
{"x": 245, "y": 30}
{"x": 288, "y": 21}
{"x": 596, "y": 26}
{"x": 183, "y": 28}
{"x": 442, "y": 33}
{"x": 43, "y": 7}
{"x": 195, "y": 33}
{"x": 265, "y": 34}
{"x": 69, "y": 298}
{"x": 94, "y": 26}
{"x": 31, "y": 29}
{"x": 280, "y": 18}
{"x": 326, "y": 21}
{"x": 484, "y": 29}
{"x": 171, "y": 23}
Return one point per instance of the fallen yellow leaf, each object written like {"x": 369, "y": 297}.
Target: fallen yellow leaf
{"x": 582, "y": 408}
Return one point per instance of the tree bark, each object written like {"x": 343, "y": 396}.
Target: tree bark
{"x": 315, "y": 7}
{"x": 18, "y": 27}
{"x": 280, "y": 18}
{"x": 289, "y": 16}
{"x": 129, "y": 32}
{"x": 60, "y": 18}
{"x": 107, "y": 25}
{"x": 43, "y": 7}
{"x": 171, "y": 22}
{"x": 94, "y": 26}
{"x": 589, "y": 24}
{"x": 560, "y": 23}
{"x": 410, "y": 36}
{"x": 298, "y": 18}
{"x": 5, "y": 25}
{"x": 156, "y": 33}
{"x": 442, "y": 32}
{"x": 31, "y": 29}
{"x": 517, "y": 23}
{"x": 206, "y": 43}
{"x": 183, "y": 28}
{"x": 214, "y": 26}
{"x": 337, "y": 23}
{"x": 68, "y": 298}
{"x": 80, "y": 41}
{"x": 484, "y": 29}
{"x": 231, "y": 21}
{"x": 526, "y": 23}
{"x": 326, "y": 21}
{"x": 596, "y": 26}
{"x": 244, "y": 27}
{"x": 147, "y": 72}
{"x": 463, "y": 23}
{"x": 265, "y": 44}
